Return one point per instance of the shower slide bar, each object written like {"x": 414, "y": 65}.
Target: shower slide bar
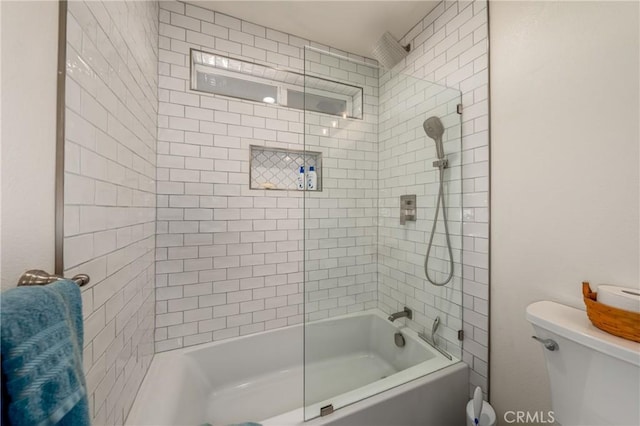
{"x": 40, "y": 277}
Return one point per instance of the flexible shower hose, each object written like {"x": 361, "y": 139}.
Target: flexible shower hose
{"x": 433, "y": 231}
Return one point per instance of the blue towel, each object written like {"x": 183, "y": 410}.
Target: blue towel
{"x": 41, "y": 343}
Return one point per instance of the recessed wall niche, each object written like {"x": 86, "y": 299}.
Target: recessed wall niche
{"x": 278, "y": 169}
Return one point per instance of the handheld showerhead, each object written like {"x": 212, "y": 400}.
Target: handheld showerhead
{"x": 434, "y": 129}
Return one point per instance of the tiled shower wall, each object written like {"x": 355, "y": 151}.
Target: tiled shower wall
{"x": 110, "y": 199}
{"x": 450, "y": 47}
{"x": 341, "y": 221}
{"x": 406, "y": 155}
{"x": 229, "y": 259}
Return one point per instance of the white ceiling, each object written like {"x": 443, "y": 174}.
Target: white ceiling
{"x": 352, "y": 26}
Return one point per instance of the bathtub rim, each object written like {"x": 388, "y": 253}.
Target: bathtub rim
{"x": 295, "y": 417}
{"x": 373, "y": 311}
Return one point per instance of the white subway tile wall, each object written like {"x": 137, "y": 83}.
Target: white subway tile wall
{"x": 230, "y": 259}
{"x": 110, "y": 192}
{"x": 340, "y": 226}
{"x": 406, "y": 155}
{"x": 450, "y": 47}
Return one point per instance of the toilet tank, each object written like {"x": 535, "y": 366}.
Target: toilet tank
{"x": 594, "y": 376}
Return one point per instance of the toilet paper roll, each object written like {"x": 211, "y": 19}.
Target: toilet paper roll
{"x": 620, "y": 297}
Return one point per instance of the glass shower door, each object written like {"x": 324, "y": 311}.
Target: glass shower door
{"x": 364, "y": 135}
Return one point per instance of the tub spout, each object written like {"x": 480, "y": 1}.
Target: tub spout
{"x": 406, "y": 312}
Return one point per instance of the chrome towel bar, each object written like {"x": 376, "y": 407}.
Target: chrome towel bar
{"x": 40, "y": 277}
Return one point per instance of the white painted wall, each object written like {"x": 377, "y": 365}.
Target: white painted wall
{"x": 565, "y": 185}
{"x": 29, "y": 61}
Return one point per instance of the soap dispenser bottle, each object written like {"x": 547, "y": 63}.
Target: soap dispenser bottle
{"x": 301, "y": 180}
{"x": 312, "y": 179}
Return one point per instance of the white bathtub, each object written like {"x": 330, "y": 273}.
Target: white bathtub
{"x": 259, "y": 378}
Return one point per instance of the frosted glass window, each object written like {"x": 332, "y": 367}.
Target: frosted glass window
{"x": 222, "y": 75}
{"x": 317, "y": 103}
{"x": 236, "y": 87}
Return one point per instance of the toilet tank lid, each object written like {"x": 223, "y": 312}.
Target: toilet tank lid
{"x": 573, "y": 324}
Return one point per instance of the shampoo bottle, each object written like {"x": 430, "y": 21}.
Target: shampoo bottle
{"x": 301, "y": 180}
{"x": 312, "y": 179}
